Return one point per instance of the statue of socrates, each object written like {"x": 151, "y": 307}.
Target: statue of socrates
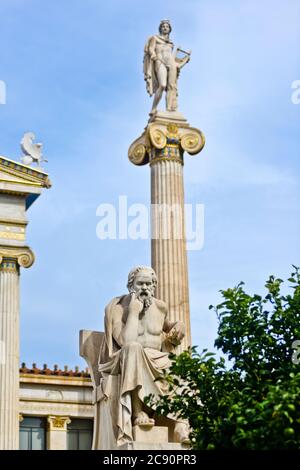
{"x": 134, "y": 353}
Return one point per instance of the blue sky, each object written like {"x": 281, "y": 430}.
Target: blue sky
{"x": 73, "y": 74}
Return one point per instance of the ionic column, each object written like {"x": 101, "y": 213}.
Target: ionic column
{"x": 10, "y": 261}
{"x": 20, "y": 186}
{"x": 162, "y": 145}
{"x": 57, "y": 432}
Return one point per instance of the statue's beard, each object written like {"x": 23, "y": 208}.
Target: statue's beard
{"x": 146, "y": 300}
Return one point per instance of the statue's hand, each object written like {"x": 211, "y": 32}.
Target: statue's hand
{"x": 135, "y": 305}
{"x": 176, "y": 334}
{"x": 172, "y": 338}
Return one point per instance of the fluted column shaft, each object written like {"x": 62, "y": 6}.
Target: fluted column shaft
{"x": 9, "y": 354}
{"x": 11, "y": 259}
{"x": 168, "y": 244}
{"x": 163, "y": 143}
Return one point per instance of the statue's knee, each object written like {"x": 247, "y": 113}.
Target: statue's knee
{"x": 172, "y": 87}
{"x": 161, "y": 89}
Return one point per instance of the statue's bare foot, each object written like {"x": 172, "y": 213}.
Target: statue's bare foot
{"x": 142, "y": 419}
{"x": 181, "y": 433}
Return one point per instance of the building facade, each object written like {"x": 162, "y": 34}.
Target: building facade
{"x": 56, "y": 410}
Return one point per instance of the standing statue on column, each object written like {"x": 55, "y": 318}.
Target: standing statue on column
{"x": 162, "y": 67}
{"x": 134, "y": 353}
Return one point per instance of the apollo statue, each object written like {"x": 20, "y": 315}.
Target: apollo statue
{"x": 162, "y": 67}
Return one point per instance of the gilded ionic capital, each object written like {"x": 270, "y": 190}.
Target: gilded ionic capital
{"x": 58, "y": 423}
{"x": 11, "y": 258}
{"x": 166, "y": 140}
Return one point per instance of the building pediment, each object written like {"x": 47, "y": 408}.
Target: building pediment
{"x": 15, "y": 173}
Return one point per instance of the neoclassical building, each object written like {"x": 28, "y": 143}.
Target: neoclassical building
{"x": 56, "y": 410}
{"x": 39, "y": 408}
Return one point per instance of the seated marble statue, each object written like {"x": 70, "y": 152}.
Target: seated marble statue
{"x": 134, "y": 353}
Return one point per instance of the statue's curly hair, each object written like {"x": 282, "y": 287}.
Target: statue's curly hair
{"x": 137, "y": 269}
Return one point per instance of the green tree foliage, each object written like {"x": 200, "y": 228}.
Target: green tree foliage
{"x": 253, "y": 400}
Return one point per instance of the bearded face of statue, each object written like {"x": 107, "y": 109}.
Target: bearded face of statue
{"x": 143, "y": 286}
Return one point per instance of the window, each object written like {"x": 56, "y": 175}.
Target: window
{"x": 32, "y": 433}
{"x": 80, "y": 434}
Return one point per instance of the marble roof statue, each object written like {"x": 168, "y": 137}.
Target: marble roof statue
{"x": 32, "y": 152}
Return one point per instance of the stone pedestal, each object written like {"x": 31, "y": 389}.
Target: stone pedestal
{"x": 19, "y": 187}
{"x": 152, "y": 435}
{"x": 162, "y": 145}
{"x": 151, "y": 438}
{"x": 147, "y": 446}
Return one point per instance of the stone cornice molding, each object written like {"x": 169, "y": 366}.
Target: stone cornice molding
{"x": 26, "y": 175}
